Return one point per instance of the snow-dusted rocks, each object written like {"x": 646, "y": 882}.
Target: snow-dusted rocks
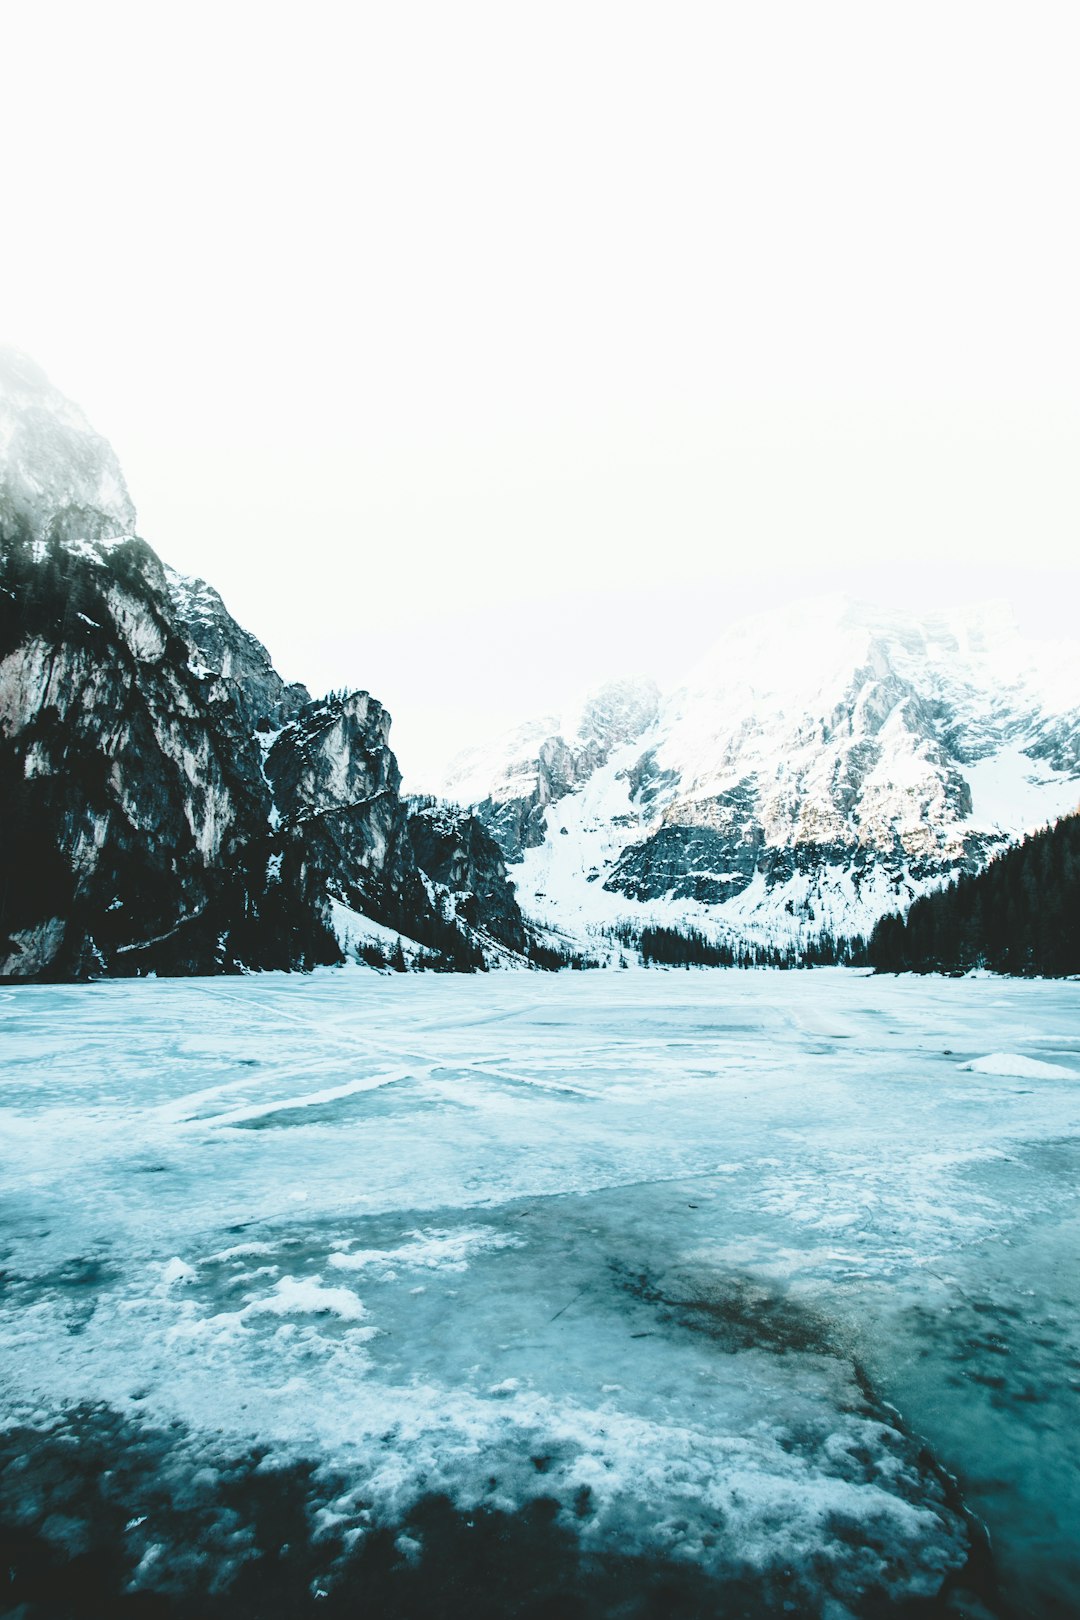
{"x": 513, "y": 782}
{"x": 465, "y": 873}
{"x": 820, "y": 767}
{"x": 131, "y": 788}
{"x": 222, "y": 648}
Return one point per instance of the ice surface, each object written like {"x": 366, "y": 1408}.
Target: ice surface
{"x": 656, "y": 1247}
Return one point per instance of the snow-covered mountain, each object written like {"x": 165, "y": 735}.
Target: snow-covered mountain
{"x": 519, "y": 776}
{"x": 821, "y": 766}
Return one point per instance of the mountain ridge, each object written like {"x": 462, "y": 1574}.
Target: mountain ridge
{"x": 821, "y": 765}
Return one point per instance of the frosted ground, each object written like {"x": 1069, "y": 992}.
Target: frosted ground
{"x": 642, "y": 1281}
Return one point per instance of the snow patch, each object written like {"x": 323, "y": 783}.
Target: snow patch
{"x": 430, "y": 1251}
{"x": 1016, "y": 1067}
{"x": 177, "y": 1271}
{"x": 305, "y": 1296}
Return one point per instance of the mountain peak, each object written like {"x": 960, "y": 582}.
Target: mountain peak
{"x": 58, "y": 478}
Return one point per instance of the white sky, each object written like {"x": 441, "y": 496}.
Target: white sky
{"x": 477, "y": 352}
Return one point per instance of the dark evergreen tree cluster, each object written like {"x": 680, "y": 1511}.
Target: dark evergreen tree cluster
{"x": 675, "y": 947}
{"x": 689, "y": 947}
{"x": 550, "y": 958}
{"x": 463, "y": 958}
{"x": 1020, "y": 915}
{"x": 454, "y": 950}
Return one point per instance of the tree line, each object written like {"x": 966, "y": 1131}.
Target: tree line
{"x": 1020, "y": 915}
{"x": 690, "y": 947}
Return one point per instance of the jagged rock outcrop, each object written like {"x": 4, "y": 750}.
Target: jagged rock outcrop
{"x": 168, "y": 802}
{"x": 465, "y": 868}
{"x": 221, "y": 647}
{"x": 341, "y": 825}
{"x": 135, "y": 811}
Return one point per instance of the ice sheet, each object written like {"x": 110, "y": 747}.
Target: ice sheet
{"x": 625, "y": 1241}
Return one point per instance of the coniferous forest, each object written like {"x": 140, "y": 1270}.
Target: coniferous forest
{"x": 688, "y": 947}
{"x": 1021, "y": 915}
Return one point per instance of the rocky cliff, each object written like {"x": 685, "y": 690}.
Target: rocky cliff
{"x": 465, "y": 872}
{"x": 168, "y": 802}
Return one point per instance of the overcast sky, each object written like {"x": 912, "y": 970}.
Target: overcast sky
{"x": 476, "y": 352}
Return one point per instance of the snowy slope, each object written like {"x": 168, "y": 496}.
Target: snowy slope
{"x": 820, "y": 766}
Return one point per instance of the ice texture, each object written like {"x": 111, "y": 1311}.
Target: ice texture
{"x": 658, "y": 1249}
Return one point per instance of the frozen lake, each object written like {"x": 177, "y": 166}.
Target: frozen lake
{"x": 637, "y": 1282}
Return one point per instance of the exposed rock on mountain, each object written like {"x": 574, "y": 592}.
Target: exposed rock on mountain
{"x": 336, "y": 805}
{"x": 466, "y": 872}
{"x": 821, "y": 767}
{"x": 537, "y": 766}
{"x": 220, "y": 646}
{"x": 168, "y": 802}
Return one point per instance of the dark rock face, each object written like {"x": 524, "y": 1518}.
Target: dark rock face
{"x": 648, "y": 782}
{"x": 135, "y": 812}
{"x": 518, "y": 824}
{"x": 711, "y": 849}
{"x": 341, "y": 825}
{"x": 699, "y": 863}
{"x": 687, "y": 863}
{"x": 463, "y": 861}
{"x": 219, "y": 645}
{"x": 167, "y": 802}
